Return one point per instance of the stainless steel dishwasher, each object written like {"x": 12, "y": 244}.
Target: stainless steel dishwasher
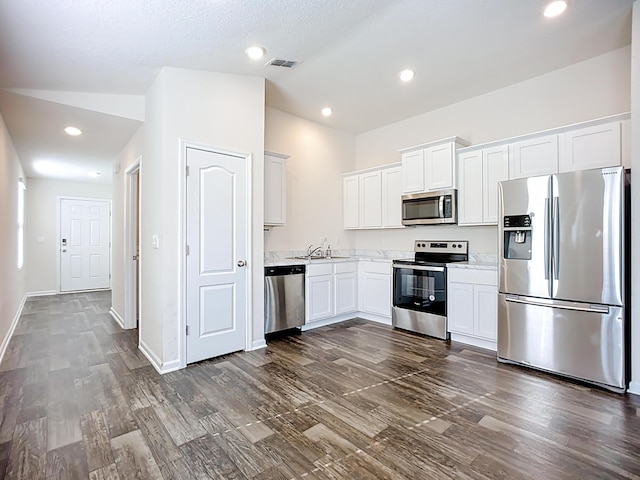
{"x": 284, "y": 297}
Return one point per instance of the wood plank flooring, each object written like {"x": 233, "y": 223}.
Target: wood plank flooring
{"x": 356, "y": 400}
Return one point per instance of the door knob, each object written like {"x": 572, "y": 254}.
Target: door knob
{"x": 241, "y": 263}
{"x": 64, "y": 249}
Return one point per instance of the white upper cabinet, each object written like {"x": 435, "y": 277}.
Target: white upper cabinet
{"x": 372, "y": 198}
{"x": 470, "y": 188}
{"x": 594, "y": 144}
{"x": 275, "y": 189}
{"x": 590, "y": 147}
{"x": 413, "y": 171}
{"x": 536, "y": 156}
{"x": 351, "y": 201}
{"x": 479, "y": 172}
{"x": 439, "y": 164}
{"x": 392, "y": 197}
{"x": 431, "y": 166}
{"x": 495, "y": 168}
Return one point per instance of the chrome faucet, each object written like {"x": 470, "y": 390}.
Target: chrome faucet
{"x": 311, "y": 252}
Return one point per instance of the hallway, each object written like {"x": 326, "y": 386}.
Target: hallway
{"x": 352, "y": 400}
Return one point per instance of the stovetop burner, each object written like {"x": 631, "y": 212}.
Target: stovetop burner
{"x": 437, "y": 253}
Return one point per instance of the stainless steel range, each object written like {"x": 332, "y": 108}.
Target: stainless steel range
{"x": 420, "y": 286}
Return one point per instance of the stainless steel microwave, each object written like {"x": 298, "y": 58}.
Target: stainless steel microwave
{"x": 430, "y": 208}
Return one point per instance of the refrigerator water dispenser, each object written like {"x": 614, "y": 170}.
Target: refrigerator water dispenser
{"x": 517, "y": 237}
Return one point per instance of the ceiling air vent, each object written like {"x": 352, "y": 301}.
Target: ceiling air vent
{"x": 278, "y": 62}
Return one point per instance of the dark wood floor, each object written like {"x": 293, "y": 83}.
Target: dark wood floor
{"x": 353, "y": 401}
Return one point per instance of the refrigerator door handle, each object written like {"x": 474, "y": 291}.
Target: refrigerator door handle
{"x": 602, "y": 309}
{"x": 555, "y": 256}
{"x": 547, "y": 238}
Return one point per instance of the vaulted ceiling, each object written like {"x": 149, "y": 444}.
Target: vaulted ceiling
{"x": 350, "y": 54}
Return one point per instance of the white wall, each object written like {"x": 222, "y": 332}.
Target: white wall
{"x": 226, "y": 112}
{"x": 584, "y": 91}
{"x": 124, "y": 160}
{"x": 318, "y": 156}
{"x": 12, "y": 280}
{"x": 634, "y": 262}
{"x": 41, "y": 212}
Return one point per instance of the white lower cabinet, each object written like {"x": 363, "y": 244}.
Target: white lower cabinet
{"x": 374, "y": 288}
{"x": 472, "y": 311}
{"x": 319, "y": 297}
{"x": 331, "y": 290}
{"x": 345, "y": 288}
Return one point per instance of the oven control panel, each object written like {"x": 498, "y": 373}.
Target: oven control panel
{"x": 437, "y": 246}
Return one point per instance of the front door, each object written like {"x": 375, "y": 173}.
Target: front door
{"x": 84, "y": 244}
{"x": 216, "y": 216}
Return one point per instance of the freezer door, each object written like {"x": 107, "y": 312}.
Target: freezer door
{"x": 526, "y": 196}
{"x": 588, "y": 236}
{"x": 577, "y": 340}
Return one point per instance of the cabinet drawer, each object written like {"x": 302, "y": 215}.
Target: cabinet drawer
{"x": 468, "y": 275}
{"x": 345, "y": 267}
{"x": 316, "y": 269}
{"x": 376, "y": 267}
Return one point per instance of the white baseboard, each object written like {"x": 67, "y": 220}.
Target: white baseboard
{"x": 634, "y": 387}
{"x": 155, "y": 361}
{"x": 476, "y": 342}
{"x": 116, "y": 316}
{"x": 12, "y": 328}
{"x": 152, "y": 357}
{"x": 327, "y": 321}
{"x": 41, "y": 293}
{"x": 374, "y": 318}
{"x": 257, "y": 345}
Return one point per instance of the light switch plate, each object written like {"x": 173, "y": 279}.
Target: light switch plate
{"x": 155, "y": 241}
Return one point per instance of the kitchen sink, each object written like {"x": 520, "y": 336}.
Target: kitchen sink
{"x": 316, "y": 257}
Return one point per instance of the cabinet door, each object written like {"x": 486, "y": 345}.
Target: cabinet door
{"x": 351, "y": 201}
{"x": 460, "y": 308}
{"x": 413, "y": 171}
{"x": 345, "y": 293}
{"x": 375, "y": 291}
{"x": 392, "y": 197}
{"x": 495, "y": 167}
{"x": 371, "y": 200}
{"x": 274, "y": 190}
{"x": 439, "y": 167}
{"x": 319, "y": 297}
{"x": 485, "y": 299}
{"x": 538, "y": 156}
{"x": 470, "y": 188}
{"x": 590, "y": 147}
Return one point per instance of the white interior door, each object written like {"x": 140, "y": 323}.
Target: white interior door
{"x": 84, "y": 244}
{"x": 216, "y": 217}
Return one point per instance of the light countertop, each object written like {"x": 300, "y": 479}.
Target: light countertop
{"x": 474, "y": 265}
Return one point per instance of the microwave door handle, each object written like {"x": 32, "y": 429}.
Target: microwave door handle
{"x": 441, "y": 206}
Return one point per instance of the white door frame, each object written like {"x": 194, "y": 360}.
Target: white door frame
{"x": 182, "y": 264}
{"x": 59, "y": 199}
{"x": 131, "y": 289}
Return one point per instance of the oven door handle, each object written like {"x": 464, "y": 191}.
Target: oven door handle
{"x": 426, "y": 268}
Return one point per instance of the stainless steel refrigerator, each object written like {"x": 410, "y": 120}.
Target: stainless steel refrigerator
{"x": 561, "y": 300}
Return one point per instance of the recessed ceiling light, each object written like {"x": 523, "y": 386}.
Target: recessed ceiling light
{"x": 555, "y": 8}
{"x": 73, "y": 131}
{"x": 326, "y": 111}
{"x": 406, "y": 75}
{"x": 255, "y": 53}
{"x": 94, "y": 174}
